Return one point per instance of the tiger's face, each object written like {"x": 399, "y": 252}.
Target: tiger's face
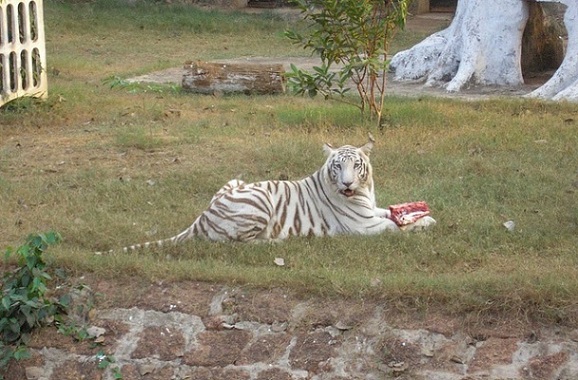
{"x": 348, "y": 168}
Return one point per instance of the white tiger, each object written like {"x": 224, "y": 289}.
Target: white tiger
{"x": 337, "y": 199}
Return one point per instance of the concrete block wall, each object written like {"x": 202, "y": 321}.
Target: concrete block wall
{"x": 22, "y": 50}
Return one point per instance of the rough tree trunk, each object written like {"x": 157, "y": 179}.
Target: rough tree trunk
{"x": 542, "y": 47}
{"x": 564, "y": 83}
{"x": 483, "y": 46}
{"x": 211, "y": 78}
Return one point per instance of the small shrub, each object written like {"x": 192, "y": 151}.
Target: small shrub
{"x": 25, "y": 304}
{"x": 354, "y": 34}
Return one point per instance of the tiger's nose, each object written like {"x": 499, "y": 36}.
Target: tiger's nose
{"x": 347, "y": 184}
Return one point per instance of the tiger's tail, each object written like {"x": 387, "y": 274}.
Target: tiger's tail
{"x": 200, "y": 228}
{"x": 186, "y": 234}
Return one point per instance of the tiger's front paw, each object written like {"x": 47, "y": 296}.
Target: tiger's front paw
{"x": 382, "y": 213}
{"x": 421, "y": 224}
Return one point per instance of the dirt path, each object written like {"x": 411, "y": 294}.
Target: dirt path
{"x": 426, "y": 24}
{"x": 175, "y": 75}
{"x": 193, "y": 330}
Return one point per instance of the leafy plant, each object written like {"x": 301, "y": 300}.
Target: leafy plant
{"x": 25, "y": 303}
{"x": 108, "y": 361}
{"x": 355, "y": 35}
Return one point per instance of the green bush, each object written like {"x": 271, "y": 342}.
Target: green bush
{"x": 354, "y": 34}
{"x": 25, "y": 303}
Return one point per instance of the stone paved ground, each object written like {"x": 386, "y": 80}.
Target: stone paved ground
{"x": 156, "y": 331}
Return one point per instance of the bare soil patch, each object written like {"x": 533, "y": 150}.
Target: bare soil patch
{"x": 426, "y": 24}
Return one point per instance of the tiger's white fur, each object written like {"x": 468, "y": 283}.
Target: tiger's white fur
{"x": 337, "y": 199}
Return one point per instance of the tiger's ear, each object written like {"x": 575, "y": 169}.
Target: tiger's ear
{"x": 368, "y": 145}
{"x": 328, "y": 149}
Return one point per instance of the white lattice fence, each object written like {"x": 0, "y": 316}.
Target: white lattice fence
{"x": 22, "y": 50}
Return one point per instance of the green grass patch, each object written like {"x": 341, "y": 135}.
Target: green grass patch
{"x": 137, "y": 137}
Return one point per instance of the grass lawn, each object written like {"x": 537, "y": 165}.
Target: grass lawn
{"x": 108, "y": 166}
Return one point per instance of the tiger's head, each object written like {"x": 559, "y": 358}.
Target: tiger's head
{"x": 348, "y": 168}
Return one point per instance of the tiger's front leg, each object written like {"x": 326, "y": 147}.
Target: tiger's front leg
{"x": 382, "y": 212}
{"x": 420, "y": 224}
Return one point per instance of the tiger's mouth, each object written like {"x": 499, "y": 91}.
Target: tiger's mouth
{"x": 348, "y": 192}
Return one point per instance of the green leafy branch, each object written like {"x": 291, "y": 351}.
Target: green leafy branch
{"x": 353, "y": 35}
{"x": 25, "y": 303}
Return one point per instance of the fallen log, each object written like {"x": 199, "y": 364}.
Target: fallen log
{"x": 227, "y": 78}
